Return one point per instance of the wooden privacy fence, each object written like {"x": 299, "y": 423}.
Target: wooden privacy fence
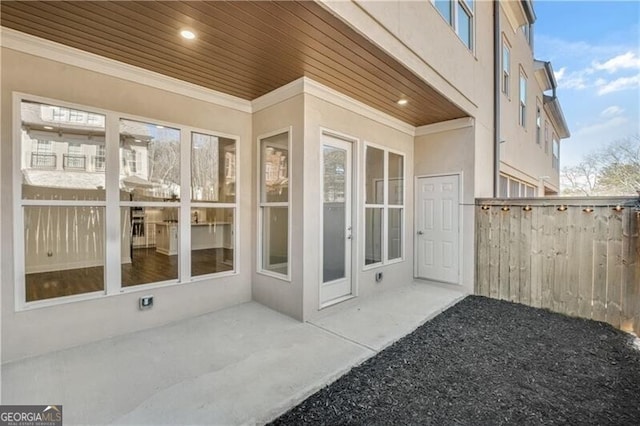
{"x": 577, "y": 256}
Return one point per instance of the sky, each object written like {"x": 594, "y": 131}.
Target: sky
{"x": 594, "y": 49}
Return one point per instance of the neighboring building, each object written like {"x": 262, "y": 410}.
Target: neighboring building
{"x": 299, "y": 154}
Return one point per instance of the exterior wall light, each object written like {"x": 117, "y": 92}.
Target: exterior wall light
{"x": 562, "y": 208}
{"x": 527, "y": 208}
{"x": 485, "y": 207}
{"x": 587, "y": 210}
{"x": 618, "y": 208}
{"x": 505, "y": 208}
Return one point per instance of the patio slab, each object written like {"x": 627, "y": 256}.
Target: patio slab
{"x": 242, "y": 365}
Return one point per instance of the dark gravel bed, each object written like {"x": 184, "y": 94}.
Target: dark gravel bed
{"x": 489, "y": 362}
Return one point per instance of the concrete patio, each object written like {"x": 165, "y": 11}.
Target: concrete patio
{"x": 242, "y": 365}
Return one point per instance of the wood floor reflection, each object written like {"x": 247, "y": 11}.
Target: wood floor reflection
{"x": 147, "y": 266}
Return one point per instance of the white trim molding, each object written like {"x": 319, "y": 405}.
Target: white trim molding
{"x": 445, "y": 126}
{"x": 311, "y": 87}
{"x": 37, "y": 46}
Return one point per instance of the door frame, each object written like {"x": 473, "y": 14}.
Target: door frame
{"x": 355, "y": 145}
{"x": 460, "y": 175}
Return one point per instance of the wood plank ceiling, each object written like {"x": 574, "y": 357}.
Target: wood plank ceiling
{"x": 245, "y": 49}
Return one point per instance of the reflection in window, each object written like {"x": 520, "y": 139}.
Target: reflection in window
{"x": 373, "y": 235}
{"x": 56, "y": 146}
{"x": 63, "y": 251}
{"x": 213, "y": 168}
{"x": 212, "y": 241}
{"x": 150, "y": 162}
{"x": 375, "y": 176}
{"x": 149, "y": 244}
{"x": 274, "y": 203}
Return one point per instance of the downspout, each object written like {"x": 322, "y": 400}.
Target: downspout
{"x": 497, "y": 54}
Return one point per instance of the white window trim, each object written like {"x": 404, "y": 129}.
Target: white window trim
{"x": 453, "y": 10}
{"x": 112, "y": 206}
{"x": 538, "y": 123}
{"x": 506, "y": 88}
{"x": 259, "y": 269}
{"x": 384, "y": 206}
{"x": 522, "y": 103}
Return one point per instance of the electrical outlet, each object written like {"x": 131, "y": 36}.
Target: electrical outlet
{"x": 378, "y": 277}
{"x": 145, "y": 302}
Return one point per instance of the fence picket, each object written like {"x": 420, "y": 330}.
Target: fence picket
{"x": 614, "y": 269}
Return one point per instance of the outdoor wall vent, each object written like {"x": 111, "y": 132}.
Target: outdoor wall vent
{"x": 145, "y": 302}
{"x": 378, "y": 277}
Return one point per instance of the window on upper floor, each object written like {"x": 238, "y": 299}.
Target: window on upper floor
{"x": 506, "y": 67}
{"x": 522, "y": 117}
{"x": 527, "y": 30}
{"x": 546, "y": 137}
{"x": 555, "y": 160}
{"x": 514, "y": 188}
{"x": 538, "y": 124}
{"x": 458, "y": 14}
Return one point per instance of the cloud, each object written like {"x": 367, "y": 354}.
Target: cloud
{"x": 603, "y": 125}
{"x": 560, "y": 73}
{"x": 612, "y": 111}
{"x": 619, "y": 84}
{"x": 627, "y": 60}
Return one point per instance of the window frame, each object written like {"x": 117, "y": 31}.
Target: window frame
{"x": 555, "y": 158}
{"x": 111, "y": 205}
{"x": 259, "y": 246}
{"x": 522, "y": 99}
{"x": 538, "y": 123}
{"x": 506, "y": 71}
{"x": 385, "y": 206}
{"x": 453, "y": 22}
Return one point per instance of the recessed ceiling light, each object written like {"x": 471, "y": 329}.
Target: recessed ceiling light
{"x": 137, "y": 140}
{"x": 159, "y": 127}
{"x": 403, "y": 102}
{"x": 189, "y": 35}
{"x": 48, "y": 127}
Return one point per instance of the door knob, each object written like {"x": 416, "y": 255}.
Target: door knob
{"x": 420, "y": 232}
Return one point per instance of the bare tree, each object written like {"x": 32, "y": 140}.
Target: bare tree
{"x": 611, "y": 170}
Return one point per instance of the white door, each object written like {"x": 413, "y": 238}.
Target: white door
{"x": 437, "y": 228}
{"x": 336, "y": 220}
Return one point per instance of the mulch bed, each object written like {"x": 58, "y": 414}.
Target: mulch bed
{"x": 489, "y": 362}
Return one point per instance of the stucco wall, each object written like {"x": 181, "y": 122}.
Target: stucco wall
{"x": 452, "y": 152}
{"x": 35, "y": 331}
{"x": 521, "y": 156}
{"x": 279, "y": 294}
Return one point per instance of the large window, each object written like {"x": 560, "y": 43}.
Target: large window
{"x": 384, "y": 206}
{"x": 506, "y": 67}
{"x": 522, "y": 116}
{"x": 80, "y": 183}
{"x": 459, "y": 15}
{"x": 514, "y": 188}
{"x": 274, "y": 204}
{"x": 546, "y": 137}
{"x": 62, "y": 208}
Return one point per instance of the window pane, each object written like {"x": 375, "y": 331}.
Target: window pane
{"x": 213, "y": 168}
{"x": 531, "y": 192}
{"x": 62, "y": 153}
{"x": 275, "y": 168}
{"x": 374, "y": 169}
{"x": 395, "y": 233}
{"x": 444, "y": 7}
{"x": 212, "y": 240}
{"x": 504, "y": 187}
{"x": 149, "y": 162}
{"x": 64, "y": 251}
{"x": 464, "y": 25}
{"x": 396, "y": 179}
{"x": 514, "y": 189}
{"x": 275, "y": 239}
{"x": 334, "y": 214}
{"x": 373, "y": 236}
{"x": 149, "y": 244}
